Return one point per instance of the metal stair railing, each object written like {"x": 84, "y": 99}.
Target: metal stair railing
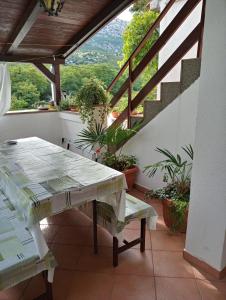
{"x": 189, "y": 42}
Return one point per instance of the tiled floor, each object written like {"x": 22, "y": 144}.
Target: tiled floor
{"x": 160, "y": 273}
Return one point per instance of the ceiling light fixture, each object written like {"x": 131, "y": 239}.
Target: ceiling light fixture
{"x": 53, "y": 7}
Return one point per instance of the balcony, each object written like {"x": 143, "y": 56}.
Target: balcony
{"x": 196, "y": 116}
{"x": 160, "y": 273}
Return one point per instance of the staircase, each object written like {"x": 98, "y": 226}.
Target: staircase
{"x": 190, "y": 68}
{"x": 190, "y": 72}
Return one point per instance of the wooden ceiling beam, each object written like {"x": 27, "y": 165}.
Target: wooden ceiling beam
{"x": 32, "y": 59}
{"x": 101, "y": 19}
{"x": 45, "y": 71}
{"x": 23, "y": 26}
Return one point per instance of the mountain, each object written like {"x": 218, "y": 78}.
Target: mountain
{"x": 104, "y": 47}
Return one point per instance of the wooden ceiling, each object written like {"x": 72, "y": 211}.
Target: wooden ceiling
{"x": 28, "y": 34}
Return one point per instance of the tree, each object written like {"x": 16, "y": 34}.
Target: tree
{"x": 140, "y": 6}
{"x": 21, "y": 73}
{"x": 132, "y": 36}
{"x": 26, "y": 91}
{"x": 17, "y": 104}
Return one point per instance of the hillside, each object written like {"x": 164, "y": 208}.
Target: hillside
{"x": 103, "y": 47}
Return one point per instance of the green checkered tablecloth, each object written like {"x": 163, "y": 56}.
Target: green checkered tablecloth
{"x": 19, "y": 257}
{"x": 34, "y": 174}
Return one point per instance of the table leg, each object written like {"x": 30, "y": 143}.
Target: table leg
{"x": 142, "y": 235}
{"x": 95, "y": 242}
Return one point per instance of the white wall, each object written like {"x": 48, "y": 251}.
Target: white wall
{"x": 44, "y": 125}
{"x": 172, "y": 128}
{"x": 179, "y": 36}
{"x": 70, "y": 124}
{"x": 206, "y": 235}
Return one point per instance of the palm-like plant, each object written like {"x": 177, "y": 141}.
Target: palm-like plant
{"x": 98, "y": 136}
{"x": 176, "y": 171}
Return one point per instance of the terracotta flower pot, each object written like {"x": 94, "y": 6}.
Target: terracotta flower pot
{"x": 170, "y": 219}
{"x": 74, "y": 109}
{"x": 131, "y": 175}
{"x": 115, "y": 114}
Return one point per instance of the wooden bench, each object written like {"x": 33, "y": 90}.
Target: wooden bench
{"x": 103, "y": 214}
{"x": 19, "y": 258}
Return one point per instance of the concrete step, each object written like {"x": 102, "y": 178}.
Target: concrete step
{"x": 151, "y": 109}
{"x": 169, "y": 92}
{"x": 137, "y": 119}
{"x": 190, "y": 72}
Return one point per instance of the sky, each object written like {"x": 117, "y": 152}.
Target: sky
{"x": 125, "y": 15}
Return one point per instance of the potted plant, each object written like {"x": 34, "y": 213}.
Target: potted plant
{"x": 175, "y": 195}
{"x": 105, "y": 142}
{"x": 122, "y": 163}
{"x": 64, "y": 104}
{"x": 92, "y": 100}
{"x": 115, "y": 113}
{"x": 73, "y": 103}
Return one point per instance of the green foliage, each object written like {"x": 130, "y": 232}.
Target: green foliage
{"x": 135, "y": 32}
{"x": 92, "y": 93}
{"x": 18, "y": 104}
{"x": 28, "y": 84}
{"x": 99, "y": 136}
{"x": 140, "y": 5}
{"x": 119, "y": 162}
{"x": 65, "y": 104}
{"x": 177, "y": 175}
{"x": 178, "y": 210}
{"x": 132, "y": 36}
{"x": 74, "y": 77}
{"x": 27, "y": 92}
{"x": 175, "y": 170}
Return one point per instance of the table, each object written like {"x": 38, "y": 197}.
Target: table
{"x": 42, "y": 179}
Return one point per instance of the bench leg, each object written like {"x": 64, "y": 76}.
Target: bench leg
{"x": 95, "y": 242}
{"x": 142, "y": 234}
{"x": 115, "y": 251}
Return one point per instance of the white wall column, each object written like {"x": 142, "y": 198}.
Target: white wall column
{"x": 206, "y": 234}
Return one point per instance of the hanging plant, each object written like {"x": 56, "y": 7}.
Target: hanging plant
{"x": 92, "y": 95}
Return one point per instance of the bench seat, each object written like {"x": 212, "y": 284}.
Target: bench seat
{"x": 19, "y": 257}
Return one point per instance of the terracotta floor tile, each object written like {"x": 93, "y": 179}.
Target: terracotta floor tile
{"x": 176, "y": 289}
{"x": 74, "y": 236}
{"x": 105, "y": 238}
{"x": 35, "y": 288}
{"x": 90, "y": 286}
{"x": 100, "y": 263}
{"x": 130, "y": 235}
{"x": 157, "y": 204}
{"x": 212, "y": 290}
{"x": 135, "y": 224}
{"x": 72, "y": 217}
{"x": 161, "y": 224}
{"x": 129, "y": 287}
{"x": 66, "y": 255}
{"x": 168, "y": 241}
{"x": 62, "y": 284}
{"x": 171, "y": 264}
{"x": 133, "y": 262}
{"x": 49, "y": 232}
{"x": 14, "y": 293}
